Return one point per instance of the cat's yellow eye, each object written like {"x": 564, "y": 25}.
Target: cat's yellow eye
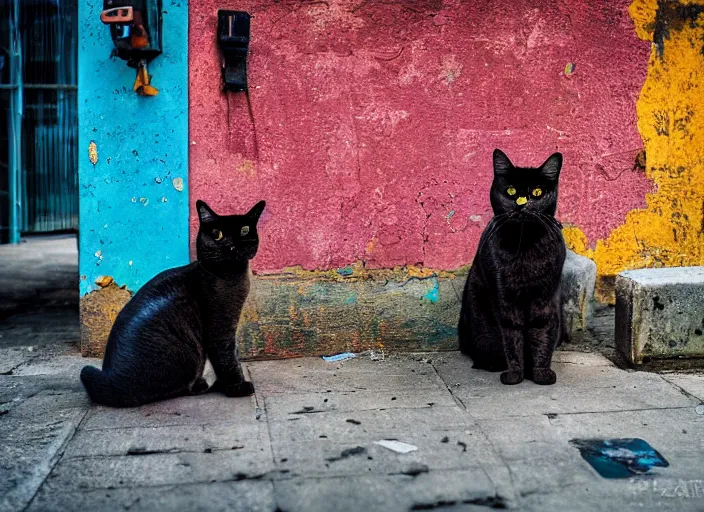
{"x": 511, "y": 191}
{"x": 217, "y": 235}
{"x": 537, "y": 192}
{"x": 244, "y": 231}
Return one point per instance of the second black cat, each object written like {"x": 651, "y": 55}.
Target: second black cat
{"x": 160, "y": 340}
{"x": 511, "y": 307}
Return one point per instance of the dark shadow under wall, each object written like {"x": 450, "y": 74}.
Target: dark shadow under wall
{"x": 39, "y": 292}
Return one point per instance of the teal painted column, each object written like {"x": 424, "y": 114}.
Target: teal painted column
{"x": 134, "y": 198}
{"x": 14, "y": 120}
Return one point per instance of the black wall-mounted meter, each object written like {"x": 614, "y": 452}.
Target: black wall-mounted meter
{"x": 233, "y": 40}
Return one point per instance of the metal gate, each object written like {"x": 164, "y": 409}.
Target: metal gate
{"x": 39, "y": 128}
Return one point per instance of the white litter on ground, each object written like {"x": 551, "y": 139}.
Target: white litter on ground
{"x": 396, "y": 446}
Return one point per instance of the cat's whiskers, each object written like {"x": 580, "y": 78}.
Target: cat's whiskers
{"x": 520, "y": 239}
{"x": 500, "y": 219}
{"x": 553, "y": 225}
{"x": 548, "y": 222}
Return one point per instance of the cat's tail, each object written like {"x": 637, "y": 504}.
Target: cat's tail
{"x": 101, "y": 390}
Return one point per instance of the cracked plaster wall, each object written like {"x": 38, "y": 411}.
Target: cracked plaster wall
{"x": 668, "y": 231}
{"x": 375, "y": 122}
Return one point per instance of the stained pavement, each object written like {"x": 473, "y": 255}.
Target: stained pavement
{"x": 306, "y": 440}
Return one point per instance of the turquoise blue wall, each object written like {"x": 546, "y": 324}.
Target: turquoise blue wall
{"x": 133, "y": 220}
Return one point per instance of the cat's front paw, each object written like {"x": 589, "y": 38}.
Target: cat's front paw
{"x": 544, "y": 376}
{"x": 512, "y": 377}
{"x": 242, "y": 389}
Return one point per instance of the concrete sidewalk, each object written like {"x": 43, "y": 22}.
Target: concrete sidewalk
{"x": 306, "y": 440}
{"x": 39, "y": 292}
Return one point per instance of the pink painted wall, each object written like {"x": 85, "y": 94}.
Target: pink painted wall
{"x": 375, "y": 122}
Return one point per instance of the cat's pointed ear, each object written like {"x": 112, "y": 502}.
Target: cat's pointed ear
{"x": 205, "y": 214}
{"x": 552, "y": 166}
{"x": 256, "y": 210}
{"x": 501, "y": 163}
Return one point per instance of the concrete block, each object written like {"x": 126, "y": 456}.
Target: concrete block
{"x": 660, "y": 313}
{"x": 578, "y": 280}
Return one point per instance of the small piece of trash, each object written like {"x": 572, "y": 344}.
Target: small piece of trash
{"x": 374, "y": 355}
{"x": 30, "y": 349}
{"x": 619, "y": 458}
{"x": 104, "y": 281}
{"x": 346, "y": 271}
{"x": 377, "y": 356}
{"x": 396, "y": 446}
{"x": 699, "y": 409}
{"x": 339, "y": 357}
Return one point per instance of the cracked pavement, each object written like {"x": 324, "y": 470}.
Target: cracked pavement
{"x": 306, "y": 441}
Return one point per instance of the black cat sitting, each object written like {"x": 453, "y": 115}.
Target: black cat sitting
{"x": 511, "y": 307}
{"x": 160, "y": 340}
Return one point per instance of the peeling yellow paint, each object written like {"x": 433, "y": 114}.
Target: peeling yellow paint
{"x": 420, "y": 272}
{"x": 670, "y": 230}
{"x": 98, "y": 311}
{"x": 93, "y": 152}
{"x": 576, "y": 240}
{"x": 246, "y": 167}
{"x": 360, "y": 273}
{"x": 104, "y": 281}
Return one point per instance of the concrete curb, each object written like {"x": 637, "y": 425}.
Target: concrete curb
{"x": 578, "y": 281}
{"x": 660, "y": 313}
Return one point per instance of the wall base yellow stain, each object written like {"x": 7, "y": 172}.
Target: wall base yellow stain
{"x": 360, "y": 273}
{"x": 670, "y": 230}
